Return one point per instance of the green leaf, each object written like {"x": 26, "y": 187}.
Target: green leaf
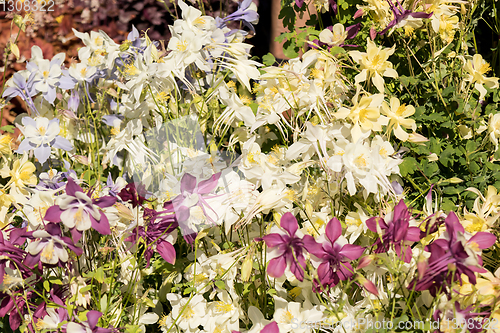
{"x": 220, "y": 284}
{"x": 99, "y": 275}
{"x": 268, "y": 59}
{"x": 290, "y": 49}
{"x": 8, "y": 128}
{"x": 46, "y": 285}
{"x": 132, "y": 329}
{"x": 408, "y": 166}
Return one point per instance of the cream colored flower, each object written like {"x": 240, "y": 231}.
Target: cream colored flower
{"x": 364, "y": 114}
{"x": 476, "y": 68}
{"x": 21, "y": 173}
{"x": 334, "y": 37}
{"x": 494, "y": 129}
{"x": 397, "y": 115}
{"x": 374, "y": 64}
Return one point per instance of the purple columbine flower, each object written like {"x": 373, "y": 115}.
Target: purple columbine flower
{"x": 451, "y": 257}
{"x": 401, "y": 15}
{"x": 155, "y": 233}
{"x": 334, "y": 254}
{"x": 10, "y": 256}
{"x": 193, "y": 199}
{"x": 50, "y": 247}
{"x": 396, "y": 233}
{"x": 79, "y": 212}
{"x": 22, "y": 88}
{"x": 287, "y": 249}
{"x": 41, "y": 134}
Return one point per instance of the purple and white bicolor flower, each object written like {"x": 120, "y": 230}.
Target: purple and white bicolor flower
{"x": 79, "y": 212}
{"x": 332, "y": 255}
{"x": 50, "y": 248}
{"x": 191, "y": 206}
{"x": 40, "y": 135}
{"x": 89, "y": 326}
{"x": 286, "y": 249}
{"x": 403, "y": 17}
{"x": 246, "y": 13}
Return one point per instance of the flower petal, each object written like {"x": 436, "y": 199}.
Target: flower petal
{"x": 289, "y": 223}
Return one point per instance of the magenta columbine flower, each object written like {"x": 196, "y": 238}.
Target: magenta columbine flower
{"x": 78, "y": 211}
{"x": 333, "y": 254}
{"x": 287, "y": 249}
{"x": 396, "y": 233}
{"x": 451, "y": 257}
{"x": 90, "y": 325}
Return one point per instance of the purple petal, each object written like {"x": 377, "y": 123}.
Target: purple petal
{"x": 299, "y": 3}
{"x": 333, "y": 230}
{"x": 101, "y": 226}
{"x": 483, "y": 239}
{"x": 352, "y": 252}
{"x": 72, "y": 187}
{"x": 297, "y": 267}
{"x": 53, "y": 214}
{"x": 352, "y": 31}
{"x": 413, "y": 234}
{"x": 312, "y": 246}
{"x": 271, "y": 328}
{"x": 273, "y": 240}
{"x": 53, "y": 228}
{"x": 289, "y": 223}
{"x": 188, "y": 183}
{"x": 276, "y": 267}
{"x": 31, "y": 260}
{"x": 106, "y": 201}
{"x": 371, "y": 223}
{"x": 76, "y": 234}
{"x": 93, "y": 317}
{"x": 167, "y": 251}
{"x": 421, "y": 15}
{"x": 208, "y": 185}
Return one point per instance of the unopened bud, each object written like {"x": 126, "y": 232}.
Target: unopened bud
{"x": 368, "y": 285}
{"x": 417, "y": 138}
{"x": 365, "y": 261}
{"x": 246, "y": 267}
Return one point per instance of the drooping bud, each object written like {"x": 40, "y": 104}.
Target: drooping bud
{"x": 368, "y": 285}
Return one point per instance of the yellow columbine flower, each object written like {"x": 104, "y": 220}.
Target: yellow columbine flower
{"x": 5, "y": 148}
{"x": 374, "y": 64}
{"x": 397, "y": 114}
{"x": 21, "y": 173}
{"x": 477, "y": 68}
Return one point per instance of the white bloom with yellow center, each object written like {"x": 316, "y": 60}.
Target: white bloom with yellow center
{"x": 292, "y": 316}
{"x": 190, "y": 313}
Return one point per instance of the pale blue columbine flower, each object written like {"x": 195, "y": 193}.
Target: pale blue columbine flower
{"x": 40, "y": 135}
{"x": 23, "y": 88}
{"x": 246, "y": 13}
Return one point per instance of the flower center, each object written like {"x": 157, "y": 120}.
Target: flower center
{"x": 48, "y": 251}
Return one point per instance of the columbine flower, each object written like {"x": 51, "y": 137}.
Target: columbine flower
{"x": 23, "y": 88}
{"x": 334, "y": 36}
{"x": 78, "y": 211}
{"x": 397, "y": 114}
{"x": 21, "y": 173}
{"x": 404, "y": 18}
{"x": 190, "y": 313}
{"x": 40, "y": 135}
{"x": 50, "y": 248}
{"x": 246, "y": 12}
{"x": 451, "y": 257}
{"x": 333, "y": 254}
{"x": 396, "y": 232}
{"x": 287, "y": 249}
{"x": 364, "y": 114}
{"x": 191, "y": 205}
{"x": 374, "y": 64}
{"x": 477, "y": 68}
